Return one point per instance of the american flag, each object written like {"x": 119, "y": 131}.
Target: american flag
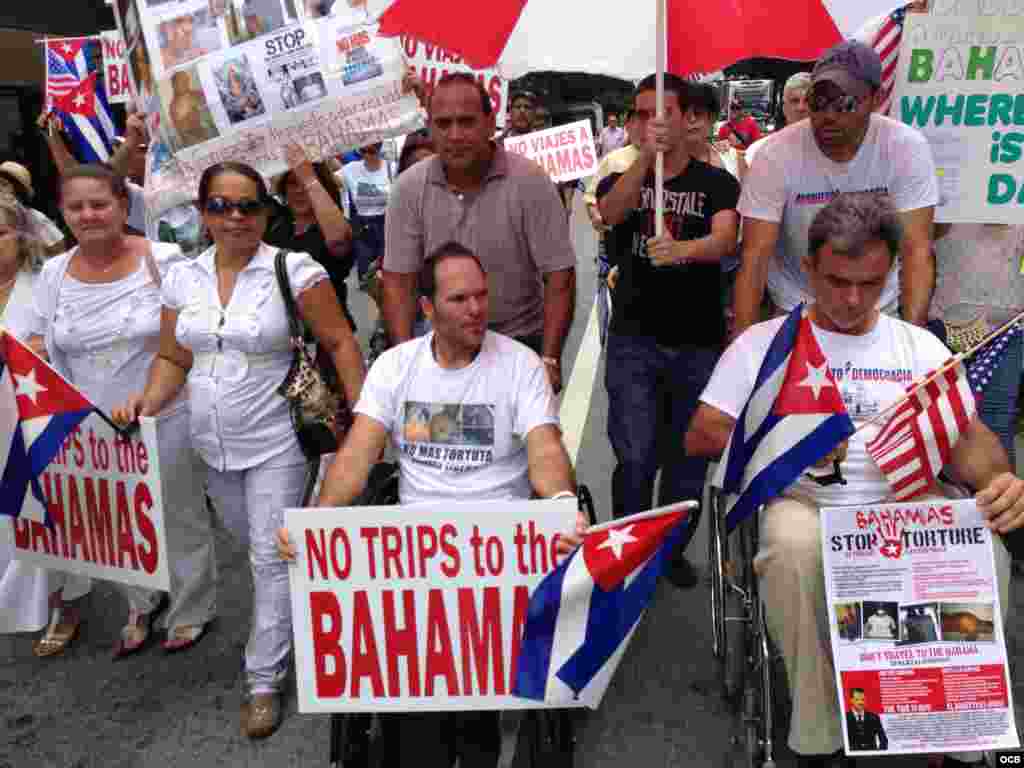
{"x": 77, "y": 95}
{"x": 884, "y": 35}
{"x": 918, "y": 439}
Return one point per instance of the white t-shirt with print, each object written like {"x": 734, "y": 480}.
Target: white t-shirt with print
{"x": 369, "y": 189}
{"x": 792, "y": 180}
{"x": 460, "y": 434}
{"x": 872, "y": 372}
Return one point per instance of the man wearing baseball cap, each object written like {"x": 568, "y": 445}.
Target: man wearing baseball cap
{"x": 843, "y": 147}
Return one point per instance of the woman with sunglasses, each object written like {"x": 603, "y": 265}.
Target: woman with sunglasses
{"x": 225, "y": 331}
{"x": 313, "y": 222}
{"x": 97, "y": 315}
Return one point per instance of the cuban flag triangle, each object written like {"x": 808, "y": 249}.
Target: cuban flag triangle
{"x": 794, "y": 417}
{"x": 38, "y": 410}
{"x": 78, "y": 96}
{"x": 584, "y": 612}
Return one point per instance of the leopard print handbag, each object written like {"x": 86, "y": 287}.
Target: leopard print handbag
{"x": 320, "y": 414}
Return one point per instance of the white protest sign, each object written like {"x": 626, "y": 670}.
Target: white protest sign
{"x": 917, "y": 629}
{"x": 420, "y": 607}
{"x": 566, "y": 152}
{"x": 106, "y": 497}
{"x": 241, "y": 79}
{"x": 115, "y": 68}
{"x": 432, "y": 62}
{"x": 959, "y": 80}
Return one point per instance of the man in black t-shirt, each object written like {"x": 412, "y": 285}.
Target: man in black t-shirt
{"x": 667, "y": 327}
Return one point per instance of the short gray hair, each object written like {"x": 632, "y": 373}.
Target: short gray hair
{"x": 851, "y": 221}
{"x": 801, "y": 81}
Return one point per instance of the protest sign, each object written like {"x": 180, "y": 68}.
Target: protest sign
{"x": 115, "y": 68}
{"x": 241, "y": 79}
{"x": 565, "y": 152}
{"x": 107, "y": 501}
{"x": 917, "y": 629}
{"x": 432, "y": 62}
{"x": 420, "y": 607}
{"x": 959, "y": 81}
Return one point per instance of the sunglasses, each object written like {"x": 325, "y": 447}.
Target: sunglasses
{"x": 841, "y": 103}
{"x": 221, "y": 206}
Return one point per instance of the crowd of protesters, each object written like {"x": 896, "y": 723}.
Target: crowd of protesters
{"x": 466, "y": 249}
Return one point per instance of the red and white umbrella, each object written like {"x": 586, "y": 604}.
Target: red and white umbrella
{"x": 619, "y": 39}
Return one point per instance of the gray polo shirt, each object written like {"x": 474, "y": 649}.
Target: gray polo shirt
{"x": 515, "y": 224}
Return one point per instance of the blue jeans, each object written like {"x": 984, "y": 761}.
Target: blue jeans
{"x": 653, "y": 392}
{"x": 998, "y": 409}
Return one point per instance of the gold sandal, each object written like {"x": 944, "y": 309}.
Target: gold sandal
{"x": 58, "y": 635}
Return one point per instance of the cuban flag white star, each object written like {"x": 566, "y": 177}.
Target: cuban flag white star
{"x": 817, "y": 378}
{"x": 617, "y": 539}
{"x": 28, "y": 386}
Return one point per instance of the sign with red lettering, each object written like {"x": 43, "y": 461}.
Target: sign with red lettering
{"x": 432, "y": 63}
{"x": 105, "y": 497}
{"x": 115, "y": 68}
{"x": 917, "y": 628}
{"x": 420, "y": 607}
{"x": 566, "y": 152}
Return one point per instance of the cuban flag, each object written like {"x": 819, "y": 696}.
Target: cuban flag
{"x": 794, "y": 417}
{"x": 584, "y": 612}
{"x": 38, "y": 410}
{"x": 77, "y": 95}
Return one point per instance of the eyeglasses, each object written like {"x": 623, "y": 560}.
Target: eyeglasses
{"x": 836, "y": 102}
{"x": 221, "y": 206}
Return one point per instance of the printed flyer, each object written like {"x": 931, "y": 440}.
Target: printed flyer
{"x": 241, "y": 79}
{"x": 917, "y": 629}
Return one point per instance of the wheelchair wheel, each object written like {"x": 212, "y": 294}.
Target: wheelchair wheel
{"x": 586, "y": 503}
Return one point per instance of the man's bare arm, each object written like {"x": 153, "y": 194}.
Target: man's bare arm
{"x": 550, "y": 469}
{"x": 917, "y": 270}
{"x": 759, "y": 240}
{"x": 350, "y": 470}
{"x": 398, "y": 305}
{"x": 708, "y": 432}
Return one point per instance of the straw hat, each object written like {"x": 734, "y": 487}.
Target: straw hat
{"x": 18, "y": 173}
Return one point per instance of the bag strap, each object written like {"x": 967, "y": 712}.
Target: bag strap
{"x": 286, "y": 293}
{"x": 151, "y": 265}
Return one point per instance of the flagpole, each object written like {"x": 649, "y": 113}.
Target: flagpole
{"x": 955, "y": 361}
{"x": 677, "y": 507}
{"x": 659, "y": 158}
{"x": 45, "y": 40}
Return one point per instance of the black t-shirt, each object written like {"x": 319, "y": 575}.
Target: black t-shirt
{"x": 680, "y": 304}
{"x": 281, "y": 234}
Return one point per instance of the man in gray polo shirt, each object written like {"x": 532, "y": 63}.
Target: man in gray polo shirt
{"x": 501, "y": 206}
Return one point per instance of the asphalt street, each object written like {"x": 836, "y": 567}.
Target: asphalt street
{"x": 83, "y": 710}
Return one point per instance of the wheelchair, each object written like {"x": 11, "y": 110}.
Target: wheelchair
{"x": 353, "y": 736}
{"x": 750, "y": 670}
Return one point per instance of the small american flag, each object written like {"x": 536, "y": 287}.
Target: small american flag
{"x": 887, "y": 44}
{"x": 918, "y": 439}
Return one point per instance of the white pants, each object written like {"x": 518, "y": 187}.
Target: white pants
{"x": 251, "y": 503}
{"x": 792, "y": 579}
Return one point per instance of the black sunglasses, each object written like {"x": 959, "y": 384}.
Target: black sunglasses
{"x": 221, "y": 206}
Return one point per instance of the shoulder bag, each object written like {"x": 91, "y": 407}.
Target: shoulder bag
{"x": 321, "y": 414}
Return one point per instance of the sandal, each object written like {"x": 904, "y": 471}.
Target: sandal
{"x": 137, "y": 631}
{"x": 58, "y": 635}
{"x": 183, "y": 637}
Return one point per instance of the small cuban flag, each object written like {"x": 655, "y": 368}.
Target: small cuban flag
{"x": 38, "y": 410}
{"x": 584, "y": 612}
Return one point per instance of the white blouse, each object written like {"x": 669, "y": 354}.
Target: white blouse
{"x": 18, "y": 316}
{"x": 241, "y": 354}
{"x": 103, "y": 336}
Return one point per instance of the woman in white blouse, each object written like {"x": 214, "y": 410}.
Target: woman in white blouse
{"x": 97, "y": 314}
{"x": 23, "y": 590}
{"x": 225, "y": 331}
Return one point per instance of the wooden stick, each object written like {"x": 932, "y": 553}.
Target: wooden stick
{"x": 45, "y": 40}
{"x": 659, "y": 101}
{"x": 955, "y": 361}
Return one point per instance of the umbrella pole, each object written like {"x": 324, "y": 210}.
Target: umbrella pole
{"x": 659, "y": 159}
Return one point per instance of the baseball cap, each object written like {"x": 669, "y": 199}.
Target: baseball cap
{"x": 19, "y": 174}
{"x": 852, "y": 65}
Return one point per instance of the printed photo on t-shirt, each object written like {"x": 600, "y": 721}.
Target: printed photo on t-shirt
{"x": 449, "y": 437}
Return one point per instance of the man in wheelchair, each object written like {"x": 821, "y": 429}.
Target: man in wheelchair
{"x": 472, "y": 416}
{"x": 853, "y": 243}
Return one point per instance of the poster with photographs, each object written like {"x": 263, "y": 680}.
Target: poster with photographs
{"x": 242, "y": 79}
{"x": 917, "y": 636}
